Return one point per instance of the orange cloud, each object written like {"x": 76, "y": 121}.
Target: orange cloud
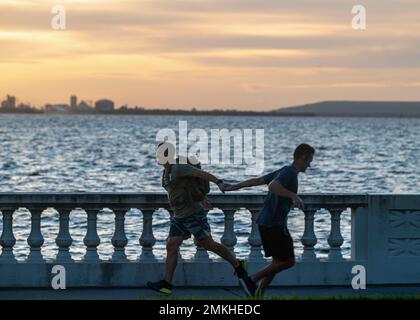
{"x": 213, "y": 53}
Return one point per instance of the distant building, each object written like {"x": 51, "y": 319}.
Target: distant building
{"x": 84, "y": 107}
{"x": 73, "y": 103}
{"x": 104, "y": 105}
{"x": 22, "y": 107}
{"x": 57, "y": 108}
{"x": 9, "y": 104}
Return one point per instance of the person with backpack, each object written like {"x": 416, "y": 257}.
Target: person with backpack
{"x": 187, "y": 186}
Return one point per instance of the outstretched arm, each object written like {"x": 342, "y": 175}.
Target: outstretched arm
{"x": 198, "y": 173}
{"x": 183, "y": 170}
{"x": 247, "y": 183}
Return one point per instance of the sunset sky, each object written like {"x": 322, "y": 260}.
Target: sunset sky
{"x": 243, "y": 54}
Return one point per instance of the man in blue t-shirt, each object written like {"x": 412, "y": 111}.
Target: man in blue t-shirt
{"x": 272, "y": 220}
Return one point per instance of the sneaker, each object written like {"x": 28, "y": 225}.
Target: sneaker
{"x": 160, "y": 286}
{"x": 242, "y": 270}
{"x": 248, "y": 285}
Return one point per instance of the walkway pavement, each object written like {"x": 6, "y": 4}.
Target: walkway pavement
{"x": 206, "y": 293}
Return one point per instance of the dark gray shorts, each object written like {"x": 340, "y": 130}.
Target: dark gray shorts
{"x": 277, "y": 242}
{"x": 195, "y": 224}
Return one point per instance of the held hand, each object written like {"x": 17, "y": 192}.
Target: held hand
{"x": 222, "y": 186}
{"x": 231, "y": 187}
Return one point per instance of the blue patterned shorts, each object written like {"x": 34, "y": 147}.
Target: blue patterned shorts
{"x": 195, "y": 224}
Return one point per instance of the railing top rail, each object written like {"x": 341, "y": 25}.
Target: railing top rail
{"x": 160, "y": 200}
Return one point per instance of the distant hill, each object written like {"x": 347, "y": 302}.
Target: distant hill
{"x": 355, "y": 108}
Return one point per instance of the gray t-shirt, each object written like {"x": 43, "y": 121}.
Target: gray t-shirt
{"x": 275, "y": 209}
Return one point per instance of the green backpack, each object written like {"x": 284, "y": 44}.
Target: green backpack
{"x": 197, "y": 188}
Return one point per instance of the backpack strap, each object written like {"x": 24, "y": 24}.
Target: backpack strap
{"x": 167, "y": 176}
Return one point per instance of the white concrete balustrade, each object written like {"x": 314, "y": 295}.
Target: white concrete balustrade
{"x": 385, "y": 239}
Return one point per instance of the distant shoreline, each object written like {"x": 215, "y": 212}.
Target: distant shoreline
{"x": 354, "y": 109}
{"x": 217, "y": 113}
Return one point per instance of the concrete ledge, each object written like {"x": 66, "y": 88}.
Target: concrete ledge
{"x": 188, "y": 273}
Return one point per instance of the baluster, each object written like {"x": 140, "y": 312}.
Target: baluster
{"x": 7, "y": 239}
{"x": 229, "y": 238}
{"x": 309, "y": 239}
{"x": 91, "y": 240}
{"x": 147, "y": 240}
{"x": 64, "y": 239}
{"x": 335, "y": 240}
{"x": 35, "y": 239}
{"x": 119, "y": 239}
{"x": 254, "y": 238}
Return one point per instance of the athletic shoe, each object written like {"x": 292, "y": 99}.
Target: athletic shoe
{"x": 160, "y": 286}
{"x": 249, "y": 286}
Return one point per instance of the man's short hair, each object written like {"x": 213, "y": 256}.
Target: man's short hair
{"x": 303, "y": 150}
